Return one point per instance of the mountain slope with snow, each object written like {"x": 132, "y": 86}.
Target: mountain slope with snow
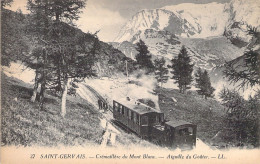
{"x": 194, "y": 20}
{"x": 242, "y": 13}
{"x": 158, "y": 19}
{"x": 208, "y": 19}
{"x": 205, "y": 53}
{"x": 209, "y": 31}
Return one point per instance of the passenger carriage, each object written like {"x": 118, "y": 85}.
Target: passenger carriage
{"x": 177, "y": 133}
{"x": 149, "y": 123}
{"x": 136, "y": 116}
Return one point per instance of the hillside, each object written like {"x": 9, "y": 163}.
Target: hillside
{"x": 220, "y": 47}
{"x": 205, "y": 52}
{"x": 211, "y": 38}
{"x": 24, "y": 125}
{"x": 189, "y": 107}
{"x": 16, "y": 31}
{"x": 126, "y": 47}
{"x": 213, "y": 33}
{"x": 206, "y": 114}
{"x": 219, "y": 81}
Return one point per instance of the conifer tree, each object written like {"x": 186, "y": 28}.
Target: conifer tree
{"x": 242, "y": 115}
{"x": 241, "y": 118}
{"x": 74, "y": 62}
{"x": 199, "y": 81}
{"x": 62, "y": 49}
{"x": 182, "y": 70}
{"x": 38, "y": 28}
{"x": 143, "y": 58}
{"x": 161, "y": 71}
{"x": 249, "y": 73}
{"x": 203, "y": 83}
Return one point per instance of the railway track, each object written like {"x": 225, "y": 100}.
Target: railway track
{"x": 116, "y": 124}
{"x": 98, "y": 96}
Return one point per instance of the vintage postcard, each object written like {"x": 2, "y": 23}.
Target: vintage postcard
{"x": 130, "y": 81}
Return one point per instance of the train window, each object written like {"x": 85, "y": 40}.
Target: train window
{"x": 157, "y": 119}
{"x": 134, "y": 117}
{"x": 129, "y": 114}
{"x": 190, "y": 130}
{"x": 117, "y": 107}
{"x": 123, "y": 110}
{"x": 126, "y": 112}
{"x": 144, "y": 120}
{"x": 137, "y": 119}
{"x": 186, "y": 131}
{"x": 120, "y": 108}
{"x": 161, "y": 118}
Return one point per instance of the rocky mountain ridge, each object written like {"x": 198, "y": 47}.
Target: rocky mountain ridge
{"x": 196, "y": 20}
{"x": 205, "y": 53}
{"x": 213, "y": 33}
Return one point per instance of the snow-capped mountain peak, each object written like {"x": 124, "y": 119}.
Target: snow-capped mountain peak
{"x": 193, "y": 20}
{"x": 208, "y": 19}
{"x": 213, "y": 33}
{"x": 157, "y": 19}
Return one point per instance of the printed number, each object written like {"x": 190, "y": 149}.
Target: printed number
{"x": 32, "y": 156}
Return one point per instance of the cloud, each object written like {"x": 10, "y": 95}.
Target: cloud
{"x": 95, "y": 17}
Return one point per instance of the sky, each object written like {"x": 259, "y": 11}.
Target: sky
{"x": 109, "y": 16}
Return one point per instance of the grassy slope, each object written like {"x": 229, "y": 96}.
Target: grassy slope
{"x": 23, "y": 124}
{"x": 206, "y": 114}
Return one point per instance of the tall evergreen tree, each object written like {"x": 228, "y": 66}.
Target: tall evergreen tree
{"x": 143, "y": 58}
{"x": 203, "y": 83}
{"x": 75, "y": 62}
{"x": 38, "y": 29}
{"x": 60, "y": 48}
{"x": 161, "y": 71}
{"x": 249, "y": 73}
{"x": 199, "y": 81}
{"x": 59, "y": 10}
{"x": 182, "y": 70}
{"x": 242, "y": 117}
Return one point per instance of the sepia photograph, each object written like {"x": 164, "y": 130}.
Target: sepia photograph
{"x": 130, "y": 81}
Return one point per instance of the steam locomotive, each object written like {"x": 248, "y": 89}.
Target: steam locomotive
{"x": 149, "y": 123}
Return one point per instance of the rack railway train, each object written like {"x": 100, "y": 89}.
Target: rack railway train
{"x": 149, "y": 123}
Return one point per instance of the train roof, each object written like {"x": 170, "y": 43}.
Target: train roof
{"x": 177, "y": 123}
{"x": 137, "y": 106}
